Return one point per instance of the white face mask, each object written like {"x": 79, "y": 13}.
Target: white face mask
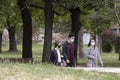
{"x": 92, "y": 43}
{"x": 72, "y": 40}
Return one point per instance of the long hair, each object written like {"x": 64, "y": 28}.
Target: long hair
{"x": 89, "y": 44}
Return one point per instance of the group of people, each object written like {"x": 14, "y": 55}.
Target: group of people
{"x": 66, "y": 56}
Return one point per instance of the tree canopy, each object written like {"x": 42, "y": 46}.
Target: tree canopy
{"x": 64, "y": 15}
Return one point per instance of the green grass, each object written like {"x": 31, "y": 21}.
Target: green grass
{"x": 40, "y": 71}
{"x": 37, "y": 52}
{"x": 109, "y": 59}
{"x": 16, "y": 71}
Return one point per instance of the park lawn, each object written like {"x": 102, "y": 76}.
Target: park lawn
{"x": 20, "y": 71}
{"x": 37, "y": 52}
{"x": 40, "y": 71}
{"x": 109, "y": 59}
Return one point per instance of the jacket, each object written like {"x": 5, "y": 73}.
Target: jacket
{"x": 90, "y": 52}
{"x": 54, "y": 56}
{"x": 66, "y": 50}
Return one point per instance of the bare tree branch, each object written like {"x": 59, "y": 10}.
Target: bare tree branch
{"x": 36, "y": 6}
{"x": 59, "y": 14}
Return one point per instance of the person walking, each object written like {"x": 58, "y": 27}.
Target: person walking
{"x": 55, "y": 56}
{"x": 93, "y": 54}
{"x": 68, "y": 50}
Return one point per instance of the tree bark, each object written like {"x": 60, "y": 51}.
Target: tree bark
{"x": 12, "y": 39}
{"x": 49, "y": 15}
{"x": 75, "y": 15}
{"x": 119, "y": 47}
{"x": 80, "y": 43}
{"x": 27, "y": 29}
{"x": 0, "y": 42}
{"x": 118, "y": 20}
{"x": 100, "y": 42}
{"x": 116, "y": 45}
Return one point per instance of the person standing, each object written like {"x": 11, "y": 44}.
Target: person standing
{"x": 93, "y": 54}
{"x": 68, "y": 50}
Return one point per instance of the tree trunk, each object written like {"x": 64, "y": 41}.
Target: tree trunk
{"x": 12, "y": 39}
{"x": 80, "y": 43}
{"x": 119, "y": 47}
{"x": 75, "y": 15}
{"x": 49, "y": 15}
{"x": 100, "y": 42}
{"x": 0, "y": 42}
{"x": 27, "y": 29}
{"x": 116, "y": 42}
{"x": 118, "y": 20}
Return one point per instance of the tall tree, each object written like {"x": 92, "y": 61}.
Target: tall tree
{"x": 27, "y": 29}
{"x": 76, "y": 25}
{"x": 49, "y": 15}
{"x": 0, "y": 41}
{"x": 117, "y": 16}
{"x": 2, "y": 23}
{"x": 12, "y": 37}
{"x": 9, "y": 14}
{"x": 80, "y": 43}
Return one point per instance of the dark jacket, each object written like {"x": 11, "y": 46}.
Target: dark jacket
{"x": 54, "y": 56}
{"x": 66, "y": 50}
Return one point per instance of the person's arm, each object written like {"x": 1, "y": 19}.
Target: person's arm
{"x": 51, "y": 57}
{"x": 64, "y": 52}
{"x": 100, "y": 58}
{"x": 61, "y": 54}
{"x": 88, "y": 55}
{"x": 55, "y": 56}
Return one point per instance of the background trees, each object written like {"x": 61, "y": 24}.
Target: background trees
{"x": 95, "y": 15}
{"x": 9, "y": 19}
{"x": 77, "y": 8}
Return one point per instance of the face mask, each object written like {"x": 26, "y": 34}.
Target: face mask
{"x": 59, "y": 46}
{"x": 92, "y": 43}
{"x": 72, "y": 40}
